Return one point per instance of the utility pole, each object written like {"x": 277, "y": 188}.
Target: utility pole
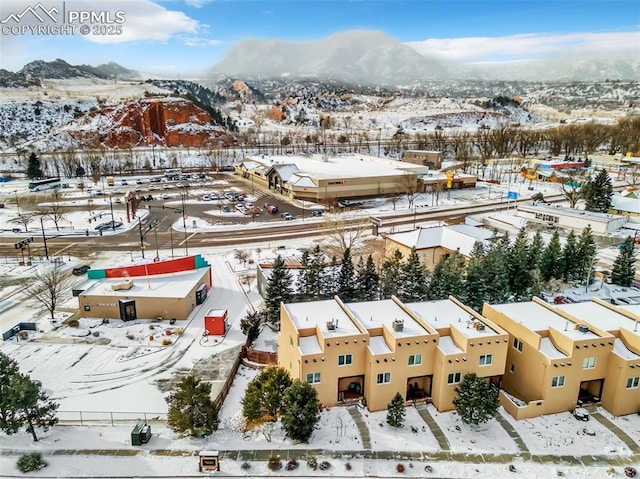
{"x": 44, "y": 240}
{"x": 141, "y": 237}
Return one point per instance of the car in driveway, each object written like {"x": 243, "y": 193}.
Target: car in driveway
{"x": 80, "y": 270}
{"x": 286, "y": 216}
{"x": 273, "y": 209}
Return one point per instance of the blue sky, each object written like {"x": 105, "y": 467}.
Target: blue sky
{"x": 186, "y": 36}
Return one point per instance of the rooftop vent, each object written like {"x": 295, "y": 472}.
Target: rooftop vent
{"x": 398, "y": 324}
{"x": 332, "y": 325}
{"x": 480, "y": 326}
{"x": 583, "y": 328}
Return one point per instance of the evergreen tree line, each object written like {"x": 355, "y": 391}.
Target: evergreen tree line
{"x": 503, "y": 272}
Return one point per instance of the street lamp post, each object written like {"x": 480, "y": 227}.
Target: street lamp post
{"x": 113, "y": 223}
{"x": 184, "y": 224}
{"x": 44, "y": 239}
{"x": 15, "y": 192}
{"x": 141, "y": 237}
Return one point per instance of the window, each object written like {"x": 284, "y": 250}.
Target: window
{"x": 633, "y": 383}
{"x": 344, "y": 359}
{"x": 383, "y": 378}
{"x": 453, "y": 378}
{"x": 486, "y": 360}
{"x": 589, "y": 363}
{"x": 517, "y": 344}
{"x": 87, "y": 307}
{"x": 291, "y": 341}
{"x": 313, "y": 378}
{"x": 512, "y": 368}
{"x": 415, "y": 359}
{"x": 557, "y": 381}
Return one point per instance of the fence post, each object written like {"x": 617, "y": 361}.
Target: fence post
{"x": 81, "y": 418}
{"x": 111, "y": 414}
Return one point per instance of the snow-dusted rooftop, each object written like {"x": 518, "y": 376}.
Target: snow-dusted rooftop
{"x": 323, "y": 167}
{"x": 538, "y": 318}
{"x": 574, "y": 213}
{"x": 621, "y": 350}
{"x": 310, "y": 345}
{"x": 625, "y": 203}
{"x": 377, "y": 345}
{"x": 447, "y": 346}
{"x": 602, "y": 317}
{"x": 549, "y": 349}
{"x": 456, "y": 237}
{"x": 376, "y": 314}
{"x": 445, "y": 313}
{"x": 173, "y": 285}
{"x": 319, "y": 313}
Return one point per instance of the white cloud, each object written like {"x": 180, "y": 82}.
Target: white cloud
{"x": 529, "y": 45}
{"x": 192, "y": 41}
{"x": 197, "y": 3}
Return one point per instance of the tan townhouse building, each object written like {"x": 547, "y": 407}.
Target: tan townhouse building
{"x": 556, "y": 360}
{"x": 621, "y": 385}
{"x": 371, "y": 350}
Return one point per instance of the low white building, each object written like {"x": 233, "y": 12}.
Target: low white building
{"x": 563, "y": 217}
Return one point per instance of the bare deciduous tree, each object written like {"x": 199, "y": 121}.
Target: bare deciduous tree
{"x": 343, "y": 233}
{"x": 54, "y": 210}
{"x": 47, "y": 288}
{"x": 23, "y": 219}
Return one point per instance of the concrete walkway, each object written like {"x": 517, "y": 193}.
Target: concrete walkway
{"x": 355, "y": 413}
{"x": 506, "y": 425}
{"x": 443, "y": 442}
{"x": 623, "y": 436}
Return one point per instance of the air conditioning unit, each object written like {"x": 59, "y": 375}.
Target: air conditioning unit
{"x": 583, "y": 328}
{"x": 398, "y": 324}
{"x": 331, "y": 325}
{"x": 480, "y": 326}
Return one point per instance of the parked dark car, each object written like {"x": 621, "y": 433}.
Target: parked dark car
{"x": 109, "y": 225}
{"x": 80, "y": 270}
{"x": 316, "y": 213}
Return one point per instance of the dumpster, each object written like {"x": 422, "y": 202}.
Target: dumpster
{"x": 209, "y": 461}
{"x": 140, "y": 434}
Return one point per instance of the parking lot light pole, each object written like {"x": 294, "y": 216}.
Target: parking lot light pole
{"x": 44, "y": 240}
{"x": 141, "y": 237}
{"x": 15, "y": 192}
{"x": 184, "y": 224}
{"x": 113, "y": 223}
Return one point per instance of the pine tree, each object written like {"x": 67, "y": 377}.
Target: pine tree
{"x": 191, "y": 409}
{"x": 300, "y": 411}
{"x": 476, "y": 279}
{"x": 534, "y": 255}
{"x": 316, "y": 277}
{"x": 396, "y": 411}
{"x": 251, "y": 324}
{"x": 33, "y": 168}
{"x": 278, "y": 290}
{"x": 331, "y": 278}
{"x": 552, "y": 261}
{"x": 477, "y": 400}
{"x": 571, "y": 259}
{"x": 264, "y": 395}
{"x": 587, "y": 250}
{"x": 520, "y": 279}
{"x": 624, "y": 267}
{"x": 413, "y": 279}
{"x": 303, "y": 292}
{"x": 447, "y": 278}
{"x": 497, "y": 271}
{"x": 368, "y": 281}
{"x": 9, "y": 376}
{"x": 598, "y": 192}
{"x": 347, "y": 285}
{"x": 390, "y": 275}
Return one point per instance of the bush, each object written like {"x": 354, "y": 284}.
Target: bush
{"x": 74, "y": 323}
{"x": 179, "y": 331}
{"x": 166, "y": 342}
{"x": 347, "y": 466}
{"x": 312, "y": 463}
{"x": 274, "y": 463}
{"x": 95, "y": 334}
{"x": 131, "y": 336}
{"x": 31, "y": 462}
{"x": 245, "y": 466}
{"x": 324, "y": 465}
{"x": 151, "y": 327}
{"x": 400, "y": 467}
{"x": 291, "y": 465}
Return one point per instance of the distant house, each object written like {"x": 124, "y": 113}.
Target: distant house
{"x": 601, "y": 223}
{"x": 625, "y": 205}
{"x": 432, "y": 159}
{"x": 436, "y": 242}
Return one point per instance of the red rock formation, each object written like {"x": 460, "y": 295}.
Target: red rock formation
{"x": 159, "y": 121}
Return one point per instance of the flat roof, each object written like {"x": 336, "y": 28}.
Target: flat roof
{"x": 377, "y": 345}
{"x": 456, "y": 237}
{"x": 310, "y": 345}
{"x": 376, "y": 314}
{"x": 445, "y": 313}
{"x": 317, "y": 313}
{"x": 602, "y": 317}
{"x": 564, "y": 211}
{"x": 447, "y": 346}
{"x": 344, "y": 166}
{"x": 621, "y": 350}
{"x": 538, "y": 318}
{"x": 172, "y": 285}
